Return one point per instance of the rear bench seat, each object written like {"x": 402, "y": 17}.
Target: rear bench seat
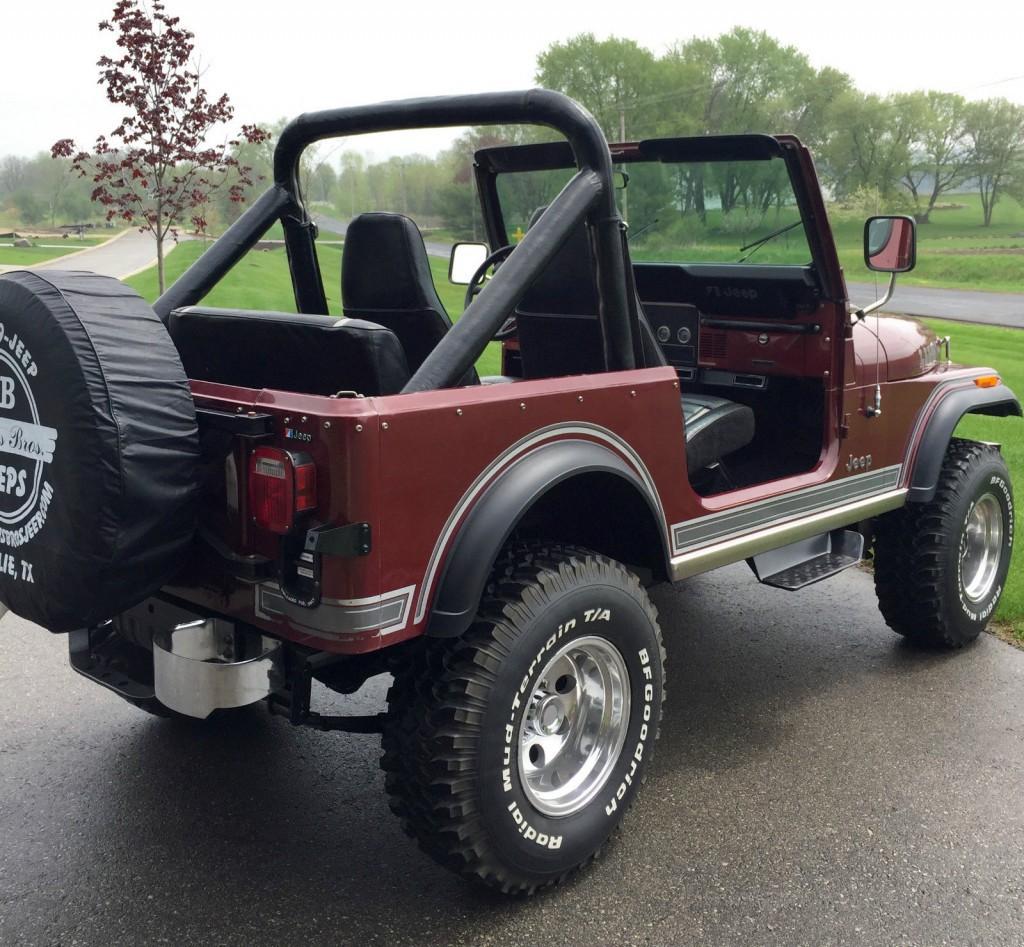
{"x": 317, "y": 355}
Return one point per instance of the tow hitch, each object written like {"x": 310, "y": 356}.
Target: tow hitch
{"x": 295, "y": 703}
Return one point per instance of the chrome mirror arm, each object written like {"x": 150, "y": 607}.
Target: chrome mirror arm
{"x": 878, "y": 303}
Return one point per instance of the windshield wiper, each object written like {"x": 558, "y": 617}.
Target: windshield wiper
{"x": 761, "y": 241}
{"x": 636, "y": 233}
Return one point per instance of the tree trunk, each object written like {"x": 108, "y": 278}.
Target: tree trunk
{"x": 160, "y": 263}
{"x": 988, "y": 200}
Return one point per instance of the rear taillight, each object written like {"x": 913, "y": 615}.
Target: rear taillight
{"x": 282, "y": 486}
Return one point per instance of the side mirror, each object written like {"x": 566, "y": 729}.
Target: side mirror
{"x": 465, "y": 260}
{"x": 890, "y": 244}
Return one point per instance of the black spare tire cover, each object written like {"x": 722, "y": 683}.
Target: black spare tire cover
{"x": 98, "y": 449}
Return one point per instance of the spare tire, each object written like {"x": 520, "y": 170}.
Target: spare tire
{"x": 99, "y": 449}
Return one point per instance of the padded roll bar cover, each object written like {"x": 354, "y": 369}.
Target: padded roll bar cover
{"x": 999, "y": 401}
{"x": 496, "y": 514}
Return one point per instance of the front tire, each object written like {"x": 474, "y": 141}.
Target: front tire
{"x": 513, "y": 752}
{"x": 940, "y": 566}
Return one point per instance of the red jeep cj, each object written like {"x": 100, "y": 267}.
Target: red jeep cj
{"x": 221, "y": 506}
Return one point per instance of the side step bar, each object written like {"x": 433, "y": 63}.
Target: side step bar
{"x": 809, "y": 560}
{"x": 737, "y": 547}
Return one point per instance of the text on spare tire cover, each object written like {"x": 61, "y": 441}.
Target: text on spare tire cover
{"x": 27, "y": 446}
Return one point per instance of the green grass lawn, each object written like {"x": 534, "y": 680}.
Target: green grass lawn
{"x": 276, "y": 232}
{"x": 946, "y": 246}
{"x": 29, "y": 256}
{"x": 1002, "y": 349}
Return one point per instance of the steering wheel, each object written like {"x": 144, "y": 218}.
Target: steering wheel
{"x": 476, "y": 280}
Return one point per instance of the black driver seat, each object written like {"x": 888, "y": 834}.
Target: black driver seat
{"x": 385, "y": 278}
{"x": 559, "y": 334}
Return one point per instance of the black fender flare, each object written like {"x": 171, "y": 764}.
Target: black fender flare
{"x": 998, "y": 401}
{"x": 496, "y": 514}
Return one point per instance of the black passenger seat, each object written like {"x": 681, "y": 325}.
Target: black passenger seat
{"x": 316, "y": 355}
{"x": 715, "y": 427}
{"x": 386, "y": 278}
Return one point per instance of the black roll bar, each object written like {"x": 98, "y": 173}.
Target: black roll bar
{"x": 590, "y": 194}
{"x": 453, "y": 356}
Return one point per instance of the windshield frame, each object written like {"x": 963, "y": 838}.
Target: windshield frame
{"x": 490, "y": 163}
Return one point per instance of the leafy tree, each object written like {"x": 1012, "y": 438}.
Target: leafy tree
{"x": 13, "y": 173}
{"x": 746, "y": 81}
{"x": 873, "y": 142}
{"x": 939, "y": 159}
{"x": 613, "y": 78}
{"x": 752, "y": 83}
{"x": 156, "y": 169}
{"x": 30, "y": 208}
{"x": 258, "y": 157}
{"x": 52, "y": 179}
{"x": 323, "y": 181}
{"x": 995, "y": 130}
{"x": 351, "y": 196}
{"x": 458, "y": 204}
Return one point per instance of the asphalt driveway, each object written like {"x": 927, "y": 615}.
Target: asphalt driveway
{"x": 121, "y": 257}
{"x": 816, "y": 782}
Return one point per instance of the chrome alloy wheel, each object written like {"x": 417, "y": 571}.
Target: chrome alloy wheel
{"x": 981, "y": 547}
{"x": 572, "y": 731}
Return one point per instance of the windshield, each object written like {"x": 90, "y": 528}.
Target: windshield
{"x": 697, "y": 212}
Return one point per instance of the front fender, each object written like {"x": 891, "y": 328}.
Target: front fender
{"x": 498, "y": 511}
{"x": 924, "y": 478}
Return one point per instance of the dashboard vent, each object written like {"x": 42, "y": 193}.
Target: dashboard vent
{"x": 713, "y": 344}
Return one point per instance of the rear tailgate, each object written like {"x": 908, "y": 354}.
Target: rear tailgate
{"x": 317, "y": 582}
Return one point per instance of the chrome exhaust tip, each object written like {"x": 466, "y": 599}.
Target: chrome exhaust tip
{"x": 210, "y": 664}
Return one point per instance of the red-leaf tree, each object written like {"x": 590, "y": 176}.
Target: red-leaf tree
{"x": 156, "y": 168}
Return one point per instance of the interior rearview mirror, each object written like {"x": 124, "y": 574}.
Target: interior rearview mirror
{"x": 890, "y": 244}
{"x": 465, "y": 260}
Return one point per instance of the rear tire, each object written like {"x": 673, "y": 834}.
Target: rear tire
{"x": 940, "y": 566}
{"x": 513, "y": 752}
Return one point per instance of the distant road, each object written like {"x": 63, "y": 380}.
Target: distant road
{"x": 335, "y": 225}
{"x": 996, "y": 309}
{"x": 121, "y": 257}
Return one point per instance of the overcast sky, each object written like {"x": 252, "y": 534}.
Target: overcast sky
{"x": 282, "y": 59}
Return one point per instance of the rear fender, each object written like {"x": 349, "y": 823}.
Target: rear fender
{"x": 501, "y": 508}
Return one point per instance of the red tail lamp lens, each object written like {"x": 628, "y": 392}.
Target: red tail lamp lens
{"x": 281, "y": 486}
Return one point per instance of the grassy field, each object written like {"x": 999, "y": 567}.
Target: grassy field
{"x": 953, "y": 250}
{"x": 949, "y": 247}
{"x": 54, "y": 247}
{"x": 1002, "y": 349}
{"x": 261, "y": 281}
